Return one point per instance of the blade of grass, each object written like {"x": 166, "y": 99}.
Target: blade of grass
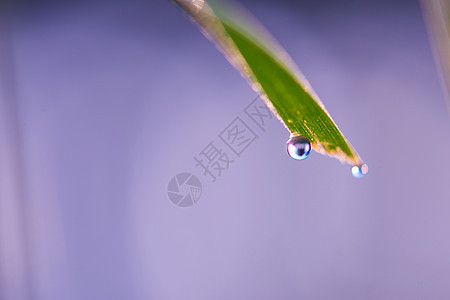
{"x": 272, "y": 73}
{"x": 437, "y": 19}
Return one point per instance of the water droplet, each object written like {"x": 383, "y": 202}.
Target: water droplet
{"x": 299, "y": 147}
{"x": 256, "y": 86}
{"x": 360, "y": 171}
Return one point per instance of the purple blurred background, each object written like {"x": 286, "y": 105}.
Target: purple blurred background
{"x": 103, "y": 102}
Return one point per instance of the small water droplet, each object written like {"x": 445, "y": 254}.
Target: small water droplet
{"x": 256, "y": 86}
{"x": 360, "y": 171}
{"x": 298, "y": 147}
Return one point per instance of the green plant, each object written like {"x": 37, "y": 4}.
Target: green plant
{"x": 273, "y": 74}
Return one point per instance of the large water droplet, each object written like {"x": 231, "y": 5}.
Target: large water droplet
{"x": 360, "y": 171}
{"x": 299, "y": 147}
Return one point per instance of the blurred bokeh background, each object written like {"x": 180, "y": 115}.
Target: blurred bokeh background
{"x": 103, "y": 102}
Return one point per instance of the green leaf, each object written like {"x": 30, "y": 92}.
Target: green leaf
{"x": 272, "y": 73}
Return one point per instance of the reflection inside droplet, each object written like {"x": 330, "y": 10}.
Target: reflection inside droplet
{"x": 198, "y": 4}
{"x": 299, "y": 147}
{"x": 360, "y": 171}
